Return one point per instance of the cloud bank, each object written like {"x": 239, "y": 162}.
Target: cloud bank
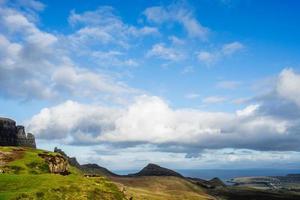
{"x": 151, "y": 120}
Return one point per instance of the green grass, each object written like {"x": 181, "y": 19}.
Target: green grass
{"x": 161, "y": 188}
{"x": 29, "y": 163}
{"x": 28, "y": 177}
{"x": 51, "y": 186}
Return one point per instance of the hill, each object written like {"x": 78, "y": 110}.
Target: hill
{"x": 27, "y": 173}
{"x": 156, "y": 170}
{"x": 96, "y": 169}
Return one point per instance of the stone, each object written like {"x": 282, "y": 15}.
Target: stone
{"x": 12, "y": 135}
{"x": 57, "y": 164}
{"x": 72, "y": 160}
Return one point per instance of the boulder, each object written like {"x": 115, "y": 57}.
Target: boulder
{"x": 57, "y": 164}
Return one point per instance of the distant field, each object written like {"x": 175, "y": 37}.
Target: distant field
{"x": 161, "y": 188}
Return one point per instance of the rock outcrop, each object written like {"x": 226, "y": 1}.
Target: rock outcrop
{"x": 12, "y": 135}
{"x": 88, "y": 169}
{"x": 72, "y": 160}
{"x": 156, "y": 170}
{"x": 57, "y": 163}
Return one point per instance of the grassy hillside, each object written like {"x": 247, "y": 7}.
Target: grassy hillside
{"x": 26, "y": 176}
{"x": 160, "y": 188}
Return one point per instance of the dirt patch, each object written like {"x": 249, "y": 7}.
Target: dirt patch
{"x": 9, "y": 156}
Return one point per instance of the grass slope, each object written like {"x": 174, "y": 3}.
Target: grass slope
{"x": 27, "y": 177}
{"x": 160, "y": 188}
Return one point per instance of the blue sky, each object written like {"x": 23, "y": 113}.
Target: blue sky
{"x": 172, "y": 82}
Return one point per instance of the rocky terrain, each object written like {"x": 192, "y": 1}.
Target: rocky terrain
{"x": 88, "y": 169}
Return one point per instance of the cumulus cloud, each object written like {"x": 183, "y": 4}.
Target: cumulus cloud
{"x": 150, "y": 120}
{"x": 179, "y": 14}
{"x": 288, "y": 86}
{"x": 72, "y": 120}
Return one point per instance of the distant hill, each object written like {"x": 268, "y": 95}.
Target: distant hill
{"x": 210, "y": 184}
{"x": 156, "y": 170}
{"x": 96, "y": 169}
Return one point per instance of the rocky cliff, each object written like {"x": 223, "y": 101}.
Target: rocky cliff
{"x": 13, "y": 135}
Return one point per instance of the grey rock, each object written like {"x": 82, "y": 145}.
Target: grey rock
{"x": 12, "y": 135}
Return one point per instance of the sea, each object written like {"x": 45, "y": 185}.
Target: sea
{"x": 226, "y": 174}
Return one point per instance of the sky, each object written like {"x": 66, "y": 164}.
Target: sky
{"x": 207, "y": 84}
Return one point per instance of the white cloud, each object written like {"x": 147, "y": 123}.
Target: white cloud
{"x": 113, "y": 58}
{"x": 214, "y": 100}
{"x": 212, "y": 57}
{"x": 36, "y": 64}
{"x": 187, "y": 70}
{"x": 86, "y": 83}
{"x": 150, "y": 120}
{"x": 231, "y": 48}
{"x": 180, "y": 14}
{"x": 33, "y": 4}
{"x": 207, "y": 57}
{"x": 84, "y": 122}
{"x": 166, "y": 53}
{"x": 288, "y": 85}
{"x": 248, "y": 111}
{"x": 104, "y": 26}
{"x": 228, "y": 84}
{"x": 192, "y": 96}
{"x": 176, "y": 41}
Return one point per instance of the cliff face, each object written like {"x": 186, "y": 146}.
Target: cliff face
{"x": 12, "y": 135}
